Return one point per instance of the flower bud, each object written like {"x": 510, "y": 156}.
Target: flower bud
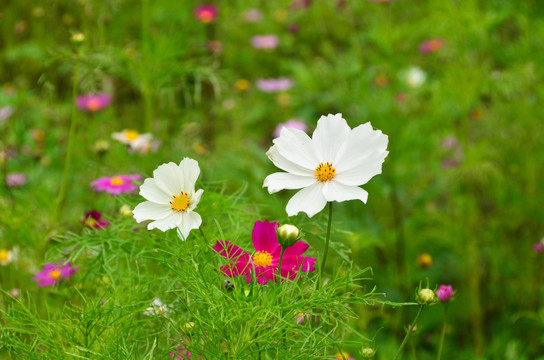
{"x": 444, "y": 292}
{"x": 368, "y": 352}
{"x": 288, "y": 235}
{"x": 426, "y": 297}
{"x": 125, "y": 210}
{"x": 78, "y": 38}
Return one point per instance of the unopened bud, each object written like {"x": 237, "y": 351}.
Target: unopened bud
{"x": 426, "y": 297}
{"x": 288, "y": 235}
{"x": 125, "y": 210}
{"x": 78, "y": 38}
{"x": 368, "y": 352}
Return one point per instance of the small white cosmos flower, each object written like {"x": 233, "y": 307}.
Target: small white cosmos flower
{"x": 171, "y": 198}
{"x": 132, "y": 138}
{"x": 329, "y": 166}
{"x": 157, "y": 308}
{"x": 415, "y": 77}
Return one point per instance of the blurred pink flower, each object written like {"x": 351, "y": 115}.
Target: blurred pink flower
{"x": 264, "y": 41}
{"x": 444, "y": 292}
{"x": 181, "y": 352}
{"x": 431, "y": 45}
{"x": 292, "y": 123}
{"x": 15, "y": 179}
{"x": 5, "y": 113}
{"x": 539, "y": 246}
{"x": 53, "y": 272}
{"x": 118, "y": 184}
{"x": 206, "y": 13}
{"x": 252, "y": 15}
{"x": 92, "y": 220}
{"x": 274, "y": 85}
{"x": 450, "y": 142}
{"x": 93, "y": 102}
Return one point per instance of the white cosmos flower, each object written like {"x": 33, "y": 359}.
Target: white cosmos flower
{"x": 330, "y": 166}
{"x": 171, "y": 198}
{"x": 132, "y": 138}
{"x": 415, "y": 77}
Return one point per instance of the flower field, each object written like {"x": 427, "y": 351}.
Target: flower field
{"x": 291, "y": 179}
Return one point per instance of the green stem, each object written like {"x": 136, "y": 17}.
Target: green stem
{"x": 409, "y": 332}
{"x": 146, "y": 93}
{"x": 281, "y": 260}
{"x": 71, "y": 139}
{"x": 203, "y": 235}
{"x": 441, "y": 346}
{"x": 327, "y": 239}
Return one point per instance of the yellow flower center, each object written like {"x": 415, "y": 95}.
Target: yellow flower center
{"x": 116, "y": 181}
{"x": 262, "y": 258}
{"x": 180, "y": 202}
{"x": 55, "y": 274}
{"x": 324, "y": 172}
{"x": 4, "y": 255}
{"x": 90, "y": 222}
{"x": 131, "y": 135}
{"x": 93, "y": 105}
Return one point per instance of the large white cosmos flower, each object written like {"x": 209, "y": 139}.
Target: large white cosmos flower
{"x": 171, "y": 198}
{"x": 330, "y": 166}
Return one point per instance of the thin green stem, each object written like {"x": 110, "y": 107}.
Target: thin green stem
{"x": 281, "y": 260}
{"x": 203, "y": 235}
{"x": 443, "y": 335}
{"x": 59, "y": 203}
{"x": 325, "y": 251}
{"x": 408, "y": 332}
{"x": 145, "y": 66}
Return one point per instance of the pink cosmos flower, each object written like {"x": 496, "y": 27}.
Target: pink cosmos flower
{"x": 53, "y": 272}
{"x": 118, "y": 184}
{"x": 15, "y": 179}
{"x": 181, "y": 352}
{"x": 274, "y": 85}
{"x": 444, "y": 292}
{"x": 292, "y": 123}
{"x": 264, "y": 41}
{"x": 431, "y": 45}
{"x": 206, "y": 13}
{"x": 93, "y": 102}
{"x": 264, "y": 263}
{"x": 539, "y": 246}
{"x": 92, "y": 220}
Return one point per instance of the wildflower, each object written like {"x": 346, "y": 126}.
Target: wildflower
{"x": 415, "y": 77}
{"x": 15, "y": 292}
{"x": 330, "y": 166}
{"x": 444, "y": 292}
{"x": 101, "y": 147}
{"x": 343, "y": 356}
{"x": 171, "y": 198}
{"x": 302, "y": 317}
{"x": 78, "y": 38}
{"x": 157, "y": 308}
{"x": 450, "y": 142}
{"x": 539, "y": 246}
{"x": 293, "y": 28}
{"x": 291, "y": 123}
{"x": 252, "y": 15}
{"x": 133, "y": 139}
{"x": 274, "y": 85}
{"x": 400, "y": 97}
{"x": 431, "y": 45}
{"x": 8, "y": 256}
{"x": 206, "y": 13}
{"x": 181, "y": 352}
{"x": 15, "y": 179}
{"x": 288, "y": 235}
{"x": 5, "y": 113}
{"x": 118, "y": 184}
{"x": 425, "y": 260}
{"x": 125, "y": 210}
{"x": 264, "y": 41}
{"x": 368, "y": 352}
{"x": 93, "y": 102}
{"x": 426, "y": 296}
{"x": 93, "y": 218}
{"x": 264, "y": 263}
{"x": 242, "y": 85}
{"x": 53, "y": 272}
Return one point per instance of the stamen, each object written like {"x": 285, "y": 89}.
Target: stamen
{"x": 131, "y": 135}
{"x": 180, "y": 202}
{"x": 325, "y": 172}
{"x": 54, "y": 274}
{"x": 262, "y": 258}
{"x": 116, "y": 181}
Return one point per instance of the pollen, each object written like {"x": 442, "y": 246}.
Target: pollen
{"x": 4, "y": 255}
{"x": 54, "y": 274}
{"x": 324, "y": 172}
{"x": 116, "y": 181}
{"x": 93, "y": 105}
{"x": 262, "y": 258}
{"x": 131, "y": 135}
{"x": 180, "y": 202}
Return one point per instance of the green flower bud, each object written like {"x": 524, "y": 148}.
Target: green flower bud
{"x": 426, "y": 297}
{"x": 368, "y": 352}
{"x": 78, "y": 38}
{"x": 288, "y": 235}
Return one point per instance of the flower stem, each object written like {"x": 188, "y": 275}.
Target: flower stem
{"x": 441, "y": 346}
{"x": 327, "y": 239}
{"x": 144, "y": 86}
{"x": 408, "y": 332}
{"x": 203, "y": 235}
{"x": 59, "y": 202}
{"x": 279, "y": 263}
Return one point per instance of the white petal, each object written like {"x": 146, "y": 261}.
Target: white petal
{"x": 334, "y": 191}
{"x": 167, "y": 178}
{"x": 189, "y": 172}
{"x": 296, "y": 146}
{"x": 362, "y": 143}
{"x": 151, "y": 211}
{"x": 309, "y": 200}
{"x": 189, "y": 221}
{"x": 281, "y": 162}
{"x": 152, "y": 192}
{"x": 331, "y": 132}
{"x": 362, "y": 173}
{"x": 169, "y": 222}
{"x": 280, "y": 180}
{"x": 195, "y": 199}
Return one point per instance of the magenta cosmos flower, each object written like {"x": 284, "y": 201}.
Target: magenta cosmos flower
{"x": 264, "y": 263}
{"x": 93, "y": 220}
{"x": 431, "y": 45}
{"x": 274, "y": 85}
{"x": 293, "y": 124}
{"x": 118, "y": 184}
{"x": 93, "y": 102}
{"x": 206, "y": 13}
{"x": 444, "y": 292}
{"x": 53, "y": 272}
{"x": 264, "y": 41}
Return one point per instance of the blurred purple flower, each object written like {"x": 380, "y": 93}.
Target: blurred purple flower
{"x": 118, "y": 184}
{"x": 431, "y": 45}
{"x": 444, "y": 292}
{"x": 274, "y": 85}
{"x": 93, "y": 102}
{"x": 53, "y": 272}
{"x": 252, "y": 15}
{"x": 92, "y": 220}
{"x": 539, "y": 246}
{"x": 292, "y": 123}
{"x": 450, "y": 142}
{"x": 15, "y": 179}
{"x": 264, "y": 41}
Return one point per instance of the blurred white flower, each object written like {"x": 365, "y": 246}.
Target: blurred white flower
{"x": 330, "y": 166}
{"x": 157, "y": 308}
{"x": 415, "y": 77}
{"x": 133, "y": 139}
{"x": 8, "y": 256}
